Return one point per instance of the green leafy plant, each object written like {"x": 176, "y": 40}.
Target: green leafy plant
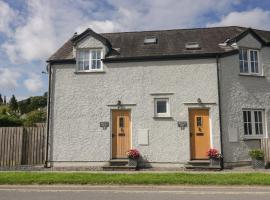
{"x": 36, "y": 116}
{"x": 6, "y": 120}
{"x": 256, "y": 154}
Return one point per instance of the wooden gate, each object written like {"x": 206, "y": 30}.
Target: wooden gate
{"x": 265, "y": 145}
{"x": 22, "y": 146}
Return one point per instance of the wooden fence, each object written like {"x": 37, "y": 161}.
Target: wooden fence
{"x": 22, "y": 146}
{"x": 265, "y": 144}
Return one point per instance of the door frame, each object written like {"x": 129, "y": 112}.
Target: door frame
{"x": 111, "y": 121}
{"x": 210, "y": 127}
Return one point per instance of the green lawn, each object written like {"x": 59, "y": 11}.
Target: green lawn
{"x": 143, "y": 178}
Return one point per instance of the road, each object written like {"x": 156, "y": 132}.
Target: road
{"x": 133, "y": 193}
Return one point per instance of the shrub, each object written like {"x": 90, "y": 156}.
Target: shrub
{"x": 36, "y": 116}
{"x": 256, "y": 154}
{"x": 4, "y": 109}
{"x": 6, "y": 120}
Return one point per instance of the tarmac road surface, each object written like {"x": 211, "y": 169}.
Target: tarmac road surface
{"x": 78, "y": 192}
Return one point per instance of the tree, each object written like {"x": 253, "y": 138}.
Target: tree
{"x": 1, "y": 100}
{"x": 13, "y": 104}
{"x": 5, "y": 100}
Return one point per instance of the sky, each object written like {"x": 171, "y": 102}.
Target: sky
{"x": 32, "y": 30}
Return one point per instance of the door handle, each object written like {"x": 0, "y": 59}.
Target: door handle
{"x": 121, "y": 134}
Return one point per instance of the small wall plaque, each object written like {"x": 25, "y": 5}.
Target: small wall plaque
{"x": 104, "y": 125}
{"x": 182, "y": 124}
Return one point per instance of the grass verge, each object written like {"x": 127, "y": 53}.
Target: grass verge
{"x": 137, "y": 179}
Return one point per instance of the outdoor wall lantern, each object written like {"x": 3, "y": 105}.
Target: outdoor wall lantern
{"x": 119, "y": 104}
{"x": 199, "y": 100}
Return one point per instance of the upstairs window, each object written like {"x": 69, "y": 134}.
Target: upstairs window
{"x": 89, "y": 60}
{"x": 249, "y": 61}
{"x": 253, "y": 122}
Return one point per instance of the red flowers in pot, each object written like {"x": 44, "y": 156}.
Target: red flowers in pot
{"x": 133, "y": 154}
{"x": 214, "y": 153}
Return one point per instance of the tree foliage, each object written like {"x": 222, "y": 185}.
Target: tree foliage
{"x": 10, "y": 120}
{"x": 36, "y": 116}
{"x": 13, "y": 104}
{"x": 1, "y": 100}
{"x": 32, "y": 103}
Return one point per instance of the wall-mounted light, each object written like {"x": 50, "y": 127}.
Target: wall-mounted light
{"x": 199, "y": 100}
{"x": 119, "y": 104}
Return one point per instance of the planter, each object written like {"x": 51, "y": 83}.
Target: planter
{"x": 257, "y": 164}
{"x": 132, "y": 162}
{"x": 214, "y": 162}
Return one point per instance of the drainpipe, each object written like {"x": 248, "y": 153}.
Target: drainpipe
{"x": 48, "y": 115}
{"x": 219, "y": 106}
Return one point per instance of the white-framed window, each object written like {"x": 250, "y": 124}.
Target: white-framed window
{"x": 162, "y": 107}
{"x": 89, "y": 60}
{"x": 253, "y": 123}
{"x": 249, "y": 61}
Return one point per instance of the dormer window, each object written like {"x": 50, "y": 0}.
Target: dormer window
{"x": 89, "y": 60}
{"x": 249, "y": 61}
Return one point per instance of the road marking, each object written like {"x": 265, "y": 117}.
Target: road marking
{"x": 138, "y": 191}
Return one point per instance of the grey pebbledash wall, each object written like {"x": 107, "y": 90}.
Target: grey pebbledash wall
{"x": 239, "y": 92}
{"x": 80, "y": 101}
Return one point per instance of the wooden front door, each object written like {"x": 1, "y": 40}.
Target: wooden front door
{"x": 120, "y": 133}
{"x": 199, "y": 133}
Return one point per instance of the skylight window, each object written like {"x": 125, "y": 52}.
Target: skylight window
{"x": 192, "y": 45}
{"x": 150, "y": 40}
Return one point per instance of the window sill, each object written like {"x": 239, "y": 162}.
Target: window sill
{"x": 89, "y": 72}
{"x": 158, "y": 117}
{"x": 253, "y": 75}
{"x": 252, "y": 138}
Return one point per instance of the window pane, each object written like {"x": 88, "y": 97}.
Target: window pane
{"x": 258, "y": 122}
{"x": 243, "y": 58}
{"x": 80, "y": 63}
{"x": 254, "y": 61}
{"x": 250, "y": 128}
{"x": 247, "y": 123}
{"x": 199, "y": 121}
{"x": 245, "y": 55}
{"x": 121, "y": 122}
{"x": 98, "y": 54}
{"x": 94, "y": 54}
{"x": 98, "y": 64}
{"x": 241, "y": 54}
{"x": 93, "y": 64}
{"x": 161, "y": 107}
{"x": 81, "y": 54}
{"x": 245, "y": 66}
{"x": 241, "y": 66}
{"x": 252, "y": 55}
{"x": 86, "y": 65}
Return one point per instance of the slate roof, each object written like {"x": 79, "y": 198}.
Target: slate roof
{"x": 171, "y": 43}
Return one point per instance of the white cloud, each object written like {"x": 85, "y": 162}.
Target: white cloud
{"x": 33, "y": 83}
{"x": 255, "y": 18}
{"x": 7, "y": 14}
{"x": 48, "y": 23}
{"x": 9, "y": 78}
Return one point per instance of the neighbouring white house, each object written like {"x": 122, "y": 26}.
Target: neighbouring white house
{"x": 171, "y": 94}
